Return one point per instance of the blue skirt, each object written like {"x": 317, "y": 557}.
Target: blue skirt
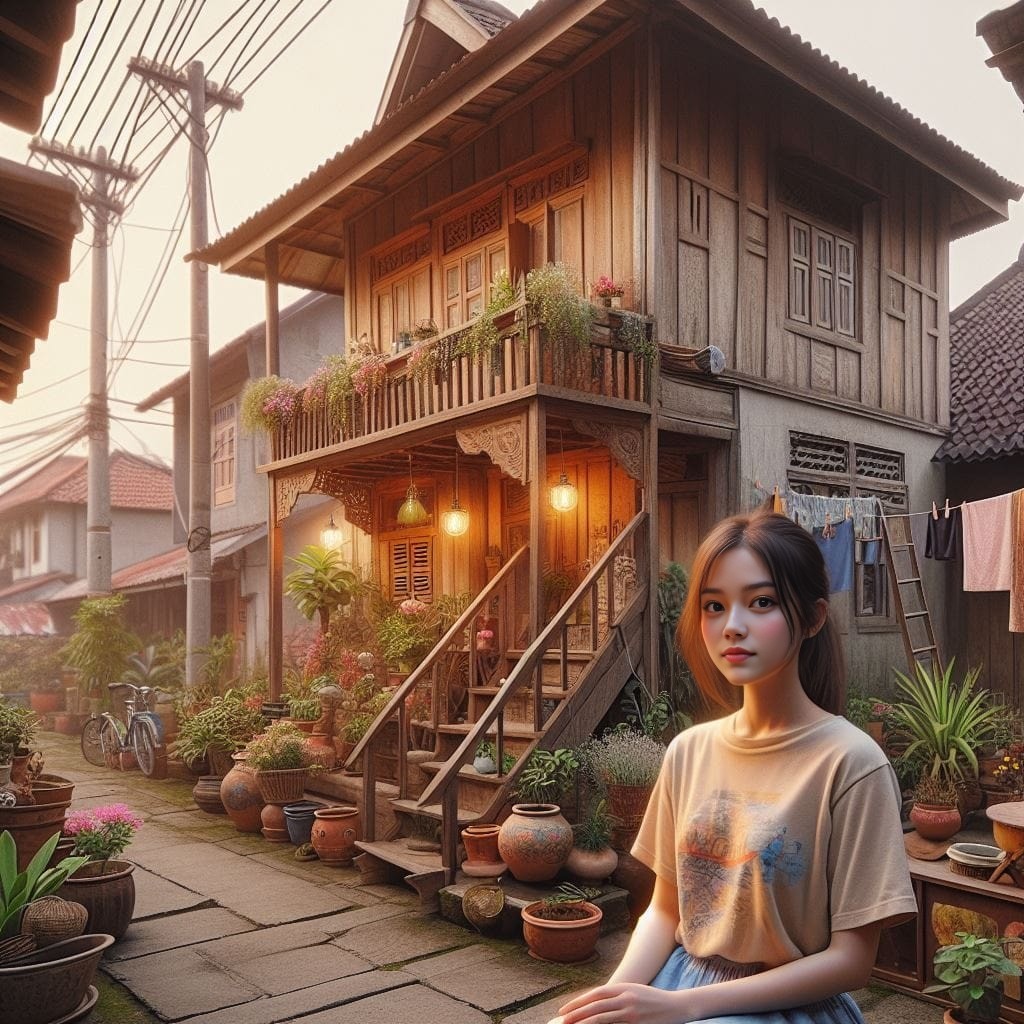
{"x": 682, "y": 971}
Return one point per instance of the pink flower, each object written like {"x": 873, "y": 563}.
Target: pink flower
{"x": 411, "y": 606}
{"x": 485, "y": 634}
{"x": 370, "y": 374}
{"x": 605, "y": 287}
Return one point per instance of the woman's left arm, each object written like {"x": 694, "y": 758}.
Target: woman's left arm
{"x": 844, "y": 965}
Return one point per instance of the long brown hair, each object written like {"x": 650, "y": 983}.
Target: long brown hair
{"x": 798, "y": 571}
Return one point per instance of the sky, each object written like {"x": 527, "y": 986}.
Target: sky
{"x": 324, "y": 91}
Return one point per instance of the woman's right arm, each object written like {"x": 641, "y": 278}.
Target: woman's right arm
{"x": 652, "y": 942}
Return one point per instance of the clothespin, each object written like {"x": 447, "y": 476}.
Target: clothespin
{"x": 828, "y": 531}
{"x": 947, "y": 508}
{"x": 849, "y": 512}
{"x": 935, "y": 511}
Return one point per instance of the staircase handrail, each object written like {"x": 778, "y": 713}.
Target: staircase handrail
{"x": 526, "y": 664}
{"x": 415, "y": 677}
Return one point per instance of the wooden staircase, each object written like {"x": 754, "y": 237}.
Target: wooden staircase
{"x": 552, "y": 694}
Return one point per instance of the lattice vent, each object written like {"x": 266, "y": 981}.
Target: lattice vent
{"x": 892, "y": 501}
{"x": 878, "y": 464}
{"x": 820, "y": 454}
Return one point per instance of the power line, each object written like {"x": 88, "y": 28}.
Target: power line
{"x": 53, "y": 384}
{"x": 74, "y": 64}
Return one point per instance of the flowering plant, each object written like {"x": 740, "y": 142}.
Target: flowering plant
{"x": 370, "y": 374}
{"x": 485, "y": 634}
{"x": 407, "y": 634}
{"x": 410, "y": 606}
{"x": 880, "y": 711}
{"x": 102, "y": 832}
{"x": 269, "y": 402}
{"x": 1010, "y": 771}
{"x": 606, "y": 288}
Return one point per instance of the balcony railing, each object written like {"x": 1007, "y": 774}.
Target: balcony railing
{"x": 522, "y": 360}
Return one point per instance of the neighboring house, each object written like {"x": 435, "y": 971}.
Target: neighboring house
{"x": 311, "y": 328}
{"x": 39, "y": 212}
{"x": 43, "y": 525}
{"x": 752, "y": 194}
{"x": 984, "y": 456}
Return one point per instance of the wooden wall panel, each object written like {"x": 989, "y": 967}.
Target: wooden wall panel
{"x": 621, "y": 148}
{"x": 666, "y": 309}
{"x": 693, "y": 295}
{"x": 723, "y": 127}
{"x": 750, "y": 336}
{"x": 693, "y": 106}
{"x": 869, "y": 312}
{"x": 722, "y": 282}
{"x": 892, "y": 364}
{"x": 516, "y": 135}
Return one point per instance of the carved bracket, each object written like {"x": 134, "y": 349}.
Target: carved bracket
{"x": 625, "y": 443}
{"x": 287, "y": 490}
{"x": 356, "y": 498}
{"x": 504, "y": 443}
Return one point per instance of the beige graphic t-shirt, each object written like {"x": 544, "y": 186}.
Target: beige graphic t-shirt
{"x": 775, "y": 843}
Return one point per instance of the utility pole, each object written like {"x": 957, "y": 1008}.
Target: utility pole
{"x": 201, "y": 94}
{"x": 99, "y": 200}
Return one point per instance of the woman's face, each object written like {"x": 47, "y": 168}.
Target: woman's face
{"x": 744, "y": 629}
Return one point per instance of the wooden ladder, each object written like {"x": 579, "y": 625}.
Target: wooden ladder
{"x": 911, "y": 606}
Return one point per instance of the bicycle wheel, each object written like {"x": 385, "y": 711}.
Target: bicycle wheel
{"x": 92, "y": 742}
{"x": 144, "y": 743}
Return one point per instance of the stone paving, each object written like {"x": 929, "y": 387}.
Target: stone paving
{"x": 230, "y": 929}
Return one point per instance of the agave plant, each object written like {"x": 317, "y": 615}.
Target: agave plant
{"x": 945, "y": 721}
{"x": 20, "y": 888}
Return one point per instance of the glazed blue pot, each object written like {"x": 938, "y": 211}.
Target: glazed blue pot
{"x": 298, "y": 817}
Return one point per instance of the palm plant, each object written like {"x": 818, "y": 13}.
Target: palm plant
{"x": 945, "y": 722}
{"x": 321, "y": 583}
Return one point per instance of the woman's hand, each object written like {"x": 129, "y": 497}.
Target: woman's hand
{"x": 625, "y": 1003}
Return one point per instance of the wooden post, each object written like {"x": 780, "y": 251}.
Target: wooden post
{"x": 650, "y": 500}
{"x": 275, "y": 595}
{"x": 272, "y": 311}
{"x": 538, "y": 476}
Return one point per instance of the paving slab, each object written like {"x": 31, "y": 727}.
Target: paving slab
{"x": 411, "y": 1005}
{"x": 159, "y": 933}
{"x": 541, "y": 1013}
{"x": 293, "y": 969}
{"x": 258, "y": 892}
{"x": 284, "y": 860}
{"x": 510, "y": 979}
{"x": 458, "y": 959}
{"x": 326, "y": 997}
{"x": 181, "y": 983}
{"x": 402, "y": 938}
{"x": 155, "y": 896}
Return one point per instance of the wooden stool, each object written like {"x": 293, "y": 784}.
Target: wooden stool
{"x": 1008, "y": 831}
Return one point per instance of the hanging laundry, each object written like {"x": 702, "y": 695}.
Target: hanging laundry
{"x": 941, "y": 542}
{"x": 987, "y": 544}
{"x": 837, "y": 551}
{"x": 1017, "y": 562}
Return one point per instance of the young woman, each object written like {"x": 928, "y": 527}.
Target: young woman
{"x": 774, "y": 833}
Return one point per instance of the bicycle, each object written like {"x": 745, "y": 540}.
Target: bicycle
{"x": 105, "y": 736}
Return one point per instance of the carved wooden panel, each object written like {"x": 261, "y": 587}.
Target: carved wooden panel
{"x": 401, "y": 256}
{"x": 356, "y": 498}
{"x": 287, "y": 490}
{"x": 625, "y": 443}
{"x": 472, "y": 224}
{"x": 564, "y": 177}
{"x": 504, "y": 443}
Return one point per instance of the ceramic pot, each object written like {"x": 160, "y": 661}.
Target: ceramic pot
{"x": 592, "y": 865}
{"x": 485, "y": 765}
{"x": 334, "y": 834}
{"x": 220, "y": 762}
{"x": 45, "y": 703}
{"x": 107, "y": 890}
{"x": 274, "y": 828}
{"x": 50, "y": 984}
{"x": 32, "y": 825}
{"x": 934, "y": 821}
{"x": 481, "y": 842}
{"x": 562, "y": 941}
{"x": 534, "y": 841}
{"x": 241, "y": 797}
{"x": 206, "y": 793}
{"x": 51, "y": 789}
{"x": 298, "y": 819}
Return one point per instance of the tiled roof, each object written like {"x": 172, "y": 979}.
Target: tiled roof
{"x": 490, "y": 16}
{"x": 135, "y": 483}
{"x": 986, "y": 339}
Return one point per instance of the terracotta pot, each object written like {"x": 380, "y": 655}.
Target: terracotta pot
{"x": 49, "y": 984}
{"x": 32, "y": 825}
{"x": 107, "y": 890}
{"x": 274, "y": 828}
{"x": 875, "y": 731}
{"x": 564, "y": 942}
{"x": 334, "y": 834}
{"x": 638, "y": 880}
{"x": 206, "y": 793}
{"x": 52, "y": 789}
{"x": 20, "y": 783}
{"x": 969, "y": 797}
{"x": 283, "y": 786}
{"x": 481, "y": 842}
{"x": 63, "y": 849}
{"x": 933, "y": 821}
{"x": 298, "y": 819}
{"x": 592, "y": 865}
{"x": 534, "y": 841}
{"x": 302, "y": 724}
{"x": 240, "y": 794}
{"x": 45, "y": 703}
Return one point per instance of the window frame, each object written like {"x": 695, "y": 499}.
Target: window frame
{"x": 218, "y": 461}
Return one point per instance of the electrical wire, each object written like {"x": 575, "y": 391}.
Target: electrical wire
{"x": 53, "y": 384}
{"x": 71, "y": 70}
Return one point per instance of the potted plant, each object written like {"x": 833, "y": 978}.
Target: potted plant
{"x": 609, "y": 292}
{"x": 970, "y": 972}
{"x": 407, "y": 634}
{"x": 217, "y": 731}
{"x": 935, "y": 814}
{"x": 104, "y": 886}
{"x": 303, "y": 712}
{"x": 535, "y": 838}
{"x": 553, "y": 301}
{"x": 321, "y": 583}
{"x": 638, "y": 336}
{"x": 592, "y": 858}
{"x": 20, "y": 888}
{"x": 563, "y": 927}
{"x": 484, "y": 759}
{"x": 1008, "y": 775}
{"x": 269, "y": 403}
{"x": 281, "y": 762}
{"x": 17, "y": 727}
{"x": 100, "y": 645}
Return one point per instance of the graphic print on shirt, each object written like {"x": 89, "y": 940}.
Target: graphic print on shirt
{"x": 732, "y": 844}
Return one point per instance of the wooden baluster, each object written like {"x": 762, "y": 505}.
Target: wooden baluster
{"x": 450, "y": 829}
{"x": 369, "y": 792}
{"x": 403, "y": 751}
{"x": 538, "y": 695}
{"x": 563, "y": 661}
{"x": 592, "y": 597}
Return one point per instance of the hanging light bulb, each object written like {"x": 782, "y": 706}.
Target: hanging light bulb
{"x": 331, "y": 534}
{"x": 411, "y": 512}
{"x": 564, "y": 495}
{"x": 455, "y": 522}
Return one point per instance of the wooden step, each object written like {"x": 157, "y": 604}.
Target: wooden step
{"x": 393, "y": 861}
{"x": 517, "y": 730}
{"x": 397, "y": 852}
{"x": 467, "y": 771}
{"x": 466, "y": 817}
{"x": 548, "y": 692}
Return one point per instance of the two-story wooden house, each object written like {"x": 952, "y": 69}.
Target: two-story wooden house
{"x": 756, "y": 196}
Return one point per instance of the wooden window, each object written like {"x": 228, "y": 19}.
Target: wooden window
{"x": 37, "y": 540}
{"x": 224, "y": 454}
{"x": 467, "y": 281}
{"x": 549, "y": 231}
{"x": 822, "y": 279}
{"x": 399, "y": 304}
{"x": 411, "y": 569}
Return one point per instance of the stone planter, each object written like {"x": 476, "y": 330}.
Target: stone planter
{"x": 562, "y": 941}
{"x": 107, "y": 891}
{"x": 240, "y": 794}
{"x": 334, "y": 834}
{"x": 534, "y": 841}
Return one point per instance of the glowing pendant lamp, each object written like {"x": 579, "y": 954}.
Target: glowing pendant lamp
{"x": 455, "y": 522}
{"x": 411, "y": 512}
{"x": 331, "y": 535}
{"x": 564, "y": 495}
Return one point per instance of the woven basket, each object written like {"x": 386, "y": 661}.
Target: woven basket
{"x": 51, "y": 919}
{"x": 284, "y": 786}
{"x": 970, "y": 870}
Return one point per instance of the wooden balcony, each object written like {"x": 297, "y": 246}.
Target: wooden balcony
{"x": 522, "y": 365}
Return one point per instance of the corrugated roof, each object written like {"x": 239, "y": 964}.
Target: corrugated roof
{"x": 32, "y": 583}
{"x": 135, "y": 483}
{"x": 914, "y": 132}
{"x": 31, "y": 619}
{"x": 986, "y": 338}
{"x": 490, "y": 16}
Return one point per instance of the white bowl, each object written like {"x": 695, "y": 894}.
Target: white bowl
{"x": 978, "y": 855}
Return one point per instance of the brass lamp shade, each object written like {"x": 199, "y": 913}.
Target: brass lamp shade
{"x": 564, "y": 495}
